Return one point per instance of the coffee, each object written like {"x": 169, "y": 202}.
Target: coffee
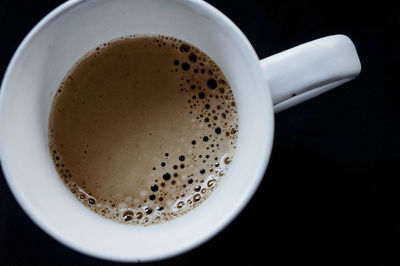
{"x": 143, "y": 128}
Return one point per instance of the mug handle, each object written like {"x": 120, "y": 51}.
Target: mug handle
{"x": 312, "y": 68}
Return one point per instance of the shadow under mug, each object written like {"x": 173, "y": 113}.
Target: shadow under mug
{"x": 260, "y": 89}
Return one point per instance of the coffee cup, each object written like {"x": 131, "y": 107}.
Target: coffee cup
{"x": 261, "y": 88}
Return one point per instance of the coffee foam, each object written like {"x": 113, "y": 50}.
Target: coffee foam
{"x": 143, "y": 128}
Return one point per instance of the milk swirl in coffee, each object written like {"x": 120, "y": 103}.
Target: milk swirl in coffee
{"x": 143, "y": 128}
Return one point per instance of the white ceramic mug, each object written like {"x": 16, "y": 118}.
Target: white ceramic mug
{"x": 76, "y": 27}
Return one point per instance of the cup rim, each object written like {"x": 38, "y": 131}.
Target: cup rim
{"x": 42, "y": 223}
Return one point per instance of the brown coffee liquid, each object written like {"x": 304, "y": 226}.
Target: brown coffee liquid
{"x": 142, "y": 129}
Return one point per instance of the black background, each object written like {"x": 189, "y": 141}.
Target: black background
{"x": 330, "y": 194}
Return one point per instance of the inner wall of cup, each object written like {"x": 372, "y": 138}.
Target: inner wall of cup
{"x": 45, "y": 58}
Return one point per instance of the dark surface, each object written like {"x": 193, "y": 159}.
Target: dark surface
{"x": 330, "y": 194}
